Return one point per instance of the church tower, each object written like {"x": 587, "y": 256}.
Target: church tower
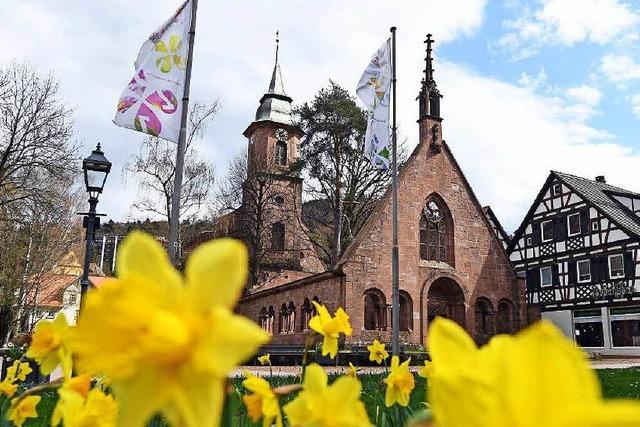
{"x": 429, "y": 120}
{"x": 273, "y": 187}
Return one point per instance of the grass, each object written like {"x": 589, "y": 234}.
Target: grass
{"x": 616, "y": 383}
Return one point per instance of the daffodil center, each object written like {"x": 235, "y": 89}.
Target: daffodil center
{"x": 167, "y": 338}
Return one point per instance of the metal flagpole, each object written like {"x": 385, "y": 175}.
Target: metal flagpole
{"x": 395, "y": 274}
{"x": 174, "y": 223}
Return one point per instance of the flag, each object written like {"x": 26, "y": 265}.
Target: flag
{"x": 374, "y": 90}
{"x": 151, "y": 102}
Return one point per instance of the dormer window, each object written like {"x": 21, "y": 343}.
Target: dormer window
{"x": 281, "y": 153}
{"x": 556, "y": 190}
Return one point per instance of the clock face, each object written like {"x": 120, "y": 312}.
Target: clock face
{"x": 281, "y": 135}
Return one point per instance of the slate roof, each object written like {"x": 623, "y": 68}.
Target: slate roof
{"x": 601, "y": 194}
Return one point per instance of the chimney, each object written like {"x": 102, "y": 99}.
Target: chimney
{"x": 600, "y": 178}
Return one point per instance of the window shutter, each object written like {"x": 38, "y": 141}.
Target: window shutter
{"x": 537, "y": 237}
{"x": 603, "y": 263}
{"x": 573, "y": 273}
{"x": 555, "y": 279}
{"x": 536, "y": 278}
{"x": 530, "y": 282}
{"x": 629, "y": 265}
{"x": 595, "y": 269}
{"x": 584, "y": 221}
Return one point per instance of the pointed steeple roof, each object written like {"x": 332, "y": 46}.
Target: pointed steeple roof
{"x": 275, "y": 105}
{"x": 429, "y": 96}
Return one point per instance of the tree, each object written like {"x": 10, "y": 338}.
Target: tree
{"x": 247, "y": 208}
{"x": 343, "y": 185}
{"x": 36, "y": 151}
{"x": 155, "y": 167}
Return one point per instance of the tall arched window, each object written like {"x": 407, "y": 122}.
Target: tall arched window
{"x": 281, "y": 153}
{"x": 375, "y": 311}
{"x": 504, "y": 321}
{"x": 484, "y": 318}
{"x": 284, "y": 314}
{"x": 271, "y": 319}
{"x": 277, "y": 236}
{"x": 291, "y": 317}
{"x": 306, "y": 313}
{"x": 436, "y": 232}
{"x": 406, "y": 312}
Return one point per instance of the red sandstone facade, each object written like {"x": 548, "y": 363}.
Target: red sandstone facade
{"x": 451, "y": 261}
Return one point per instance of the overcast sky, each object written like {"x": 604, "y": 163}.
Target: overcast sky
{"x": 528, "y": 86}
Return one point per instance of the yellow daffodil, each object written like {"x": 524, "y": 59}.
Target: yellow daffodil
{"x": 8, "y": 387}
{"x": 264, "y": 359}
{"x": 400, "y": 383}
{"x": 24, "y": 408}
{"x": 50, "y": 345}
{"x": 262, "y": 402}
{"x": 330, "y": 328}
{"x": 166, "y": 342}
{"x": 352, "y": 371}
{"x": 321, "y": 405}
{"x": 538, "y": 378}
{"x": 95, "y": 409}
{"x": 19, "y": 370}
{"x": 377, "y": 352}
{"x": 426, "y": 370}
{"x": 72, "y": 396}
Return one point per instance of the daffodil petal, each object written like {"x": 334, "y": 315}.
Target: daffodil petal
{"x": 141, "y": 257}
{"x": 217, "y": 272}
{"x": 449, "y": 344}
{"x": 136, "y": 404}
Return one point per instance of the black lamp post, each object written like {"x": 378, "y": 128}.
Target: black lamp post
{"x": 96, "y": 167}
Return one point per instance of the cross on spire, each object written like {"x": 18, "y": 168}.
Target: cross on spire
{"x": 277, "y": 44}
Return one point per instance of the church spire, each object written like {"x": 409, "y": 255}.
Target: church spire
{"x": 275, "y": 105}
{"x": 429, "y": 97}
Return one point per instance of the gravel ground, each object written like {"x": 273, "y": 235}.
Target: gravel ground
{"x": 285, "y": 371}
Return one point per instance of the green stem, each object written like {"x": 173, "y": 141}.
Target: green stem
{"x": 310, "y": 339}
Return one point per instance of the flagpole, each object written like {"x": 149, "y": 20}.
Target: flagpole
{"x": 174, "y": 223}
{"x": 395, "y": 274}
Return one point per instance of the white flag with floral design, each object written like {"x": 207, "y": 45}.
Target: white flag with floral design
{"x": 151, "y": 102}
{"x": 374, "y": 90}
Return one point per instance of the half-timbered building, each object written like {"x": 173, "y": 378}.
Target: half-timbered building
{"x": 578, "y": 247}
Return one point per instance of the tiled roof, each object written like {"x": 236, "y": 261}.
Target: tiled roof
{"x": 51, "y": 287}
{"x": 600, "y": 195}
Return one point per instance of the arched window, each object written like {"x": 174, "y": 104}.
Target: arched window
{"x": 281, "y": 153}
{"x": 291, "y": 317}
{"x": 484, "y": 318}
{"x": 504, "y": 321}
{"x": 375, "y": 311}
{"x": 284, "y": 314}
{"x": 277, "y": 236}
{"x": 271, "y": 319}
{"x": 436, "y": 232}
{"x": 306, "y": 313}
{"x": 262, "y": 319}
{"x": 406, "y": 312}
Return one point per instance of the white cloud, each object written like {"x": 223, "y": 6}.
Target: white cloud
{"x": 584, "y": 94}
{"x": 635, "y": 104}
{"x": 568, "y": 22}
{"x": 507, "y": 139}
{"x": 620, "y": 68}
{"x": 533, "y": 82}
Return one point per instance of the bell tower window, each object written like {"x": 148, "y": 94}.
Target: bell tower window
{"x": 277, "y": 236}
{"x": 281, "y": 153}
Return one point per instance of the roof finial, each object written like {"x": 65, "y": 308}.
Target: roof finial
{"x": 428, "y": 71}
{"x": 277, "y": 44}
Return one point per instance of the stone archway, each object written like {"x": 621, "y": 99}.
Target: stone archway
{"x": 445, "y": 298}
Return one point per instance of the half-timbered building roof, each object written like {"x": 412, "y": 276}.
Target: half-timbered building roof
{"x": 599, "y": 194}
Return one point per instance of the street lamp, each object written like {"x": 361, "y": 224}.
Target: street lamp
{"x": 96, "y": 167}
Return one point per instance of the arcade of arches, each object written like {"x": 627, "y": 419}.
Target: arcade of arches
{"x": 377, "y": 311}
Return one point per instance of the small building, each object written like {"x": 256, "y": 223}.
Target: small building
{"x": 578, "y": 247}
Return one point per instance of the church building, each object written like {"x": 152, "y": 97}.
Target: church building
{"x": 452, "y": 262}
